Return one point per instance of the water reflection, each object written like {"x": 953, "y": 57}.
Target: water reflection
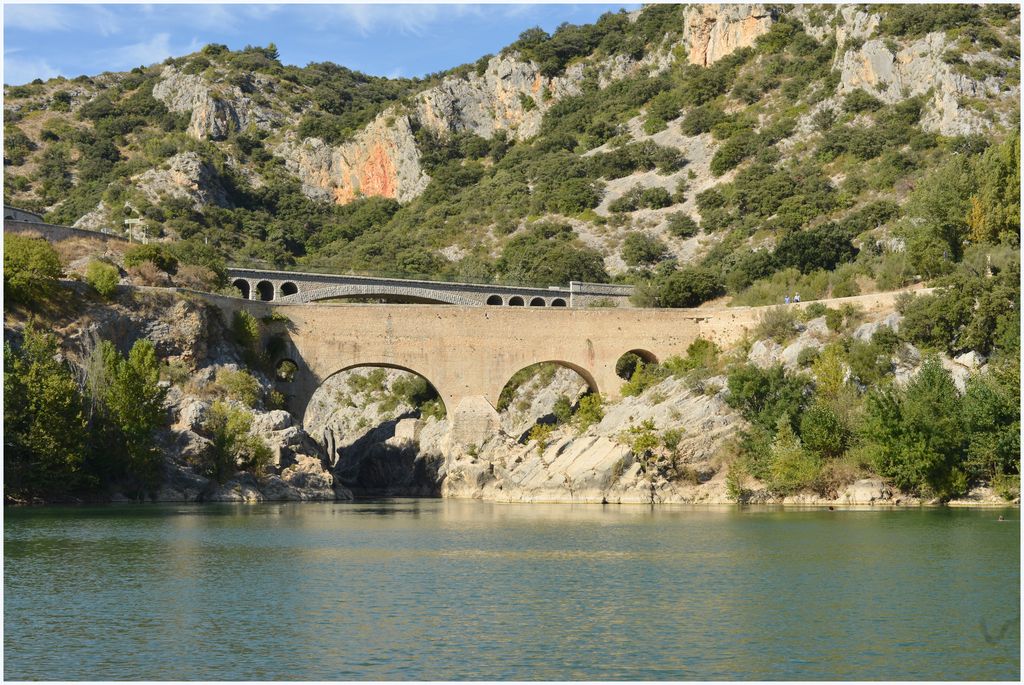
{"x": 435, "y": 589}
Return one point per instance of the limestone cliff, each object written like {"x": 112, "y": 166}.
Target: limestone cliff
{"x": 217, "y": 110}
{"x": 382, "y": 161}
{"x": 511, "y": 95}
{"x": 919, "y": 69}
{"x": 186, "y": 176}
{"x": 713, "y": 31}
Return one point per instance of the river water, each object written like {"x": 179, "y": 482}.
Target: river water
{"x": 437, "y": 589}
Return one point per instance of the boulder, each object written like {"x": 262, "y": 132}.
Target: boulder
{"x": 791, "y": 355}
{"x": 242, "y": 488}
{"x": 765, "y": 353}
{"x": 266, "y": 422}
{"x": 865, "y": 491}
{"x": 818, "y": 328}
{"x": 972, "y": 360}
{"x": 192, "y": 414}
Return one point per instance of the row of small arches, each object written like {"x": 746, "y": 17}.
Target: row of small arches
{"x": 265, "y": 289}
{"x": 517, "y": 301}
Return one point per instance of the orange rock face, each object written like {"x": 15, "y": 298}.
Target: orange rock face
{"x": 381, "y": 161}
{"x": 374, "y": 175}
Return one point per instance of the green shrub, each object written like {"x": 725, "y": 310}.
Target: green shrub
{"x": 240, "y": 386}
{"x": 640, "y": 248}
{"x": 642, "y": 439}
{"x": 644, "y": 376}
{"x": 858, "y": 101}
{"x": 807, "y": 356}
{"x": 541, "y": 434}
{"x": 655, "y": 197}
{"x": 589, "y": 411}
{"x": 31, "y": 268}
{"x": 777, "y": 323}
{"x": 681, "y": 225}
{"x": 103, "y": 277}
{"x": 157, "y": 254}
{"x": 232, "y": 447}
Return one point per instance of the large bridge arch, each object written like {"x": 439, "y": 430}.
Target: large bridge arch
{"x": 344, "y": 291}
{"x": 372, "y": 365}
{"x": 495, "y": 397}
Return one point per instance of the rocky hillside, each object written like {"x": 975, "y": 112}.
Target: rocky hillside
{"x": 673, "y": 137}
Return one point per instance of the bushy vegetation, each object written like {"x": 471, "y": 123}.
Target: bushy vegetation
{"x": 103, "y": 277}
{"x": 79, "y": 433}
{"x": 31, "y": 268}
{"x": 232, "y": 447}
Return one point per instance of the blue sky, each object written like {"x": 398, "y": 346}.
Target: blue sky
{"x": 43, "y": 40}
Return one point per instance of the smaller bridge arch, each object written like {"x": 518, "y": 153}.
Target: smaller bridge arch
{"x": 495, "y": 300}
{"x": 265, "y": 290}
{"x": 629, "y": 360}
{"x": 288, "y": 288}
{"x": 243, "y": 287}
{"x": 516, "y": 301}
{"x": 537, "y": 302}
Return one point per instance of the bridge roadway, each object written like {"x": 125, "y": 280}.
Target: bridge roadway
{"x": 293, "y": 287}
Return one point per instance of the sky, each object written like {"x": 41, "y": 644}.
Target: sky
{"x": 47, "y": 40}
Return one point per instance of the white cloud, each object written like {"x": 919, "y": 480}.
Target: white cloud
{"x": 144, "y": 53}
{"x": 18, "y": 71}
{"x": 107, "y": 23}
{"x": 38, "y": 17}
{"x": 411, "y": 20}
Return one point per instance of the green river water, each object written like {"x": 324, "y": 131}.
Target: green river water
{"x": 441, "y": 589}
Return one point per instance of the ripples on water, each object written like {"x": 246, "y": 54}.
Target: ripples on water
{"x": 435, "y": 589}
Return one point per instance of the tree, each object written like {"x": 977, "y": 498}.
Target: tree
{"x": 548, "y": 254}
{"x": 44, "y": 425}
{"x": 232, "y": 446}
{"x": 819, "y": 248}
{"x": 791, "y": 468}
{"x": 133, "y": 404}
{"x": 688, "y": 288}
{"x": 640, "y": 248}
{"x": 916, "y": 436}
{"x": 31, "y": 268}
{"x": 822, "y": 431}
{"x": 995, "y": 205}
{"x": 763, "y": 396}
{"x": 991, "y": 409}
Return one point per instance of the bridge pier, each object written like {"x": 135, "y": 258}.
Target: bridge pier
{"x": 472, "y": 422}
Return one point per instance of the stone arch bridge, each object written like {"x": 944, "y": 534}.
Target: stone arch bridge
{"x": 468, "y": 353}
{"x": 293, "y": 287}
